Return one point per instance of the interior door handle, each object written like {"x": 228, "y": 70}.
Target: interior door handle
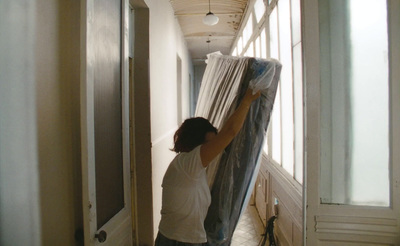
{"x": 101, "y": 236}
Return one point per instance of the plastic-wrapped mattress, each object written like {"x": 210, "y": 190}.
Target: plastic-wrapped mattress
{"x": 232, "y": 175}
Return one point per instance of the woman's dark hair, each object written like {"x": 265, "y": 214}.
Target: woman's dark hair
{"x": 191, "y": 134}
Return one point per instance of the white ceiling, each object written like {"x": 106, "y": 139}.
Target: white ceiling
{"x": 190, "y": 15}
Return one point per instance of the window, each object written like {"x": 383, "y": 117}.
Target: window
{"x": 258, "y": 47}
{"x": 273, "y": 34}
{"x": 263, "y": 43}
{"x": 259, "y": 9}
{"x": 297, "y": 90}
{"x": 248, "y": 30}
{"x": 284, "y": 140}
{"x": 285, "y": 146}
{"x": 250, "y": 50}
{"x": 286, "y": 83}
{"x": 234, "y": 52}
{"x": 354, "y": 102}
{"x": 240, "y": 46}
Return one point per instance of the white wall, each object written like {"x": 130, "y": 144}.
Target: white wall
{"x": 58, "y": 117}
{"x": 19, "y": 176}
{"x": 199, "y": 70}
{"x": 166, "y": 43}
{"x": 45, "y": 59}
{"x": 42, "y": 107}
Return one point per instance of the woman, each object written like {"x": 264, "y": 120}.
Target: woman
{"x": 186, "y": 195}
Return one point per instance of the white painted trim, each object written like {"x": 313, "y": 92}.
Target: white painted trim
{"x": 310, "y": 32}
{"x": 87, "y": 123}
{"x": 287, "y": 183}
{"x": 394, "y": 40}
{"x": 293, "y": 187}
{"x": 125, "y": 104}
{"x": 356, "y": 225}
{"x": 117, "y": 227}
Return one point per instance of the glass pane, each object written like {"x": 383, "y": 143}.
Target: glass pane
{"x": 108, "y": 111}
{"x": 250, "y": 50}
{"x": 276, "y": 127}
{"x": 276, "y": 112}
{"x": 296, "y": 21}
{"x": 248, "y": 30}
{"x": 273, "y": 34}
{"x": 267, "y": 139}
{"x": 354, "y": 102}
{"x": 263, "y": 44}
{"x": 298, "y": 112}
{"x": 259, "y": 9}
{"x": 131, "y": 32}
{"x": 234, "y": 52}
{"x": 240, "y": 46}
{"x": 258, "y": 48}
{"x": 285, "y": 51}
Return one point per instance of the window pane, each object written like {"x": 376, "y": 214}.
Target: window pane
{"x": 259, "y": 9}
{"x": 250, "y": 50}
{"x": 354, "y": 102}
{"x": 267, "y": 139}
{"x": 296, "y": 21}
{"x": 285, "y": 51}
{"x": 276, "y": 127}
{"x": 273, "y": 34}
{"x": 263, "y": 44}
{"x": 258, "y": 48}
{"x": 240, "y": 46}
{"x": 298, "y": 112}
{"x": 248, "y": 30}
{"x": 234, "y": 52}
{"x": 276, "y": 113}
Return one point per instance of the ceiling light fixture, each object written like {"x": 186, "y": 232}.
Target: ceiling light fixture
{"x": 210, "y": 19}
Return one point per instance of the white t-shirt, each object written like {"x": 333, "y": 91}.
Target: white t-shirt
{"x": 185, "y": 199}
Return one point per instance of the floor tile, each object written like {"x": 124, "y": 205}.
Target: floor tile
{"x": 249, "y": 229}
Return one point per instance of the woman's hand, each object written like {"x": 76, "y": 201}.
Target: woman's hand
{"x": 250, "y": 97}
{"x": 232, "y": 126}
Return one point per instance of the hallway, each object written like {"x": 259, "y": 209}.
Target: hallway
{"x": 82, "y": 79}
{"x": 249, "y": 229}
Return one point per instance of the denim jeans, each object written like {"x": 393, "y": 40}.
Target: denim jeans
{"x": 161, "y": 240}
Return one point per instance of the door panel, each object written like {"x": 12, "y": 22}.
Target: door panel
{"x": 108, "y": 110}
{"x": 105, "y": 124}
{"x": 338, "y": 210}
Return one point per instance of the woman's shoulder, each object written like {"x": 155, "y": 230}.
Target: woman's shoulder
{"x": 191, "y": 155}
{"x": 189, "y": 161}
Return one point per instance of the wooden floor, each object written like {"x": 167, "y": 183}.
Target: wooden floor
{"x": 249, "y": 229}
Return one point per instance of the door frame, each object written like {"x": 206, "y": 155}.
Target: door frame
{"x": 329, "y": 224}
{"x": 119, "y": 228}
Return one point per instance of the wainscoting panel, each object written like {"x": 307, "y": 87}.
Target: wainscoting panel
{"x": 276, "y": 193}
{"x": 352, "y": 230}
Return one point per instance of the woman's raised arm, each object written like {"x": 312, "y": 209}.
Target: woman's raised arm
{"x": 210, "y": 149}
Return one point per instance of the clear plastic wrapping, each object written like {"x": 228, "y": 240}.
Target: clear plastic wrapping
{"x": 232, "y": 178}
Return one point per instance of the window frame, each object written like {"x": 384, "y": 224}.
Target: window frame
{"x": 256, "y": 36}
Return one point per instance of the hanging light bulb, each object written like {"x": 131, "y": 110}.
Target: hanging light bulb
{"x": 210, "y": 19}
